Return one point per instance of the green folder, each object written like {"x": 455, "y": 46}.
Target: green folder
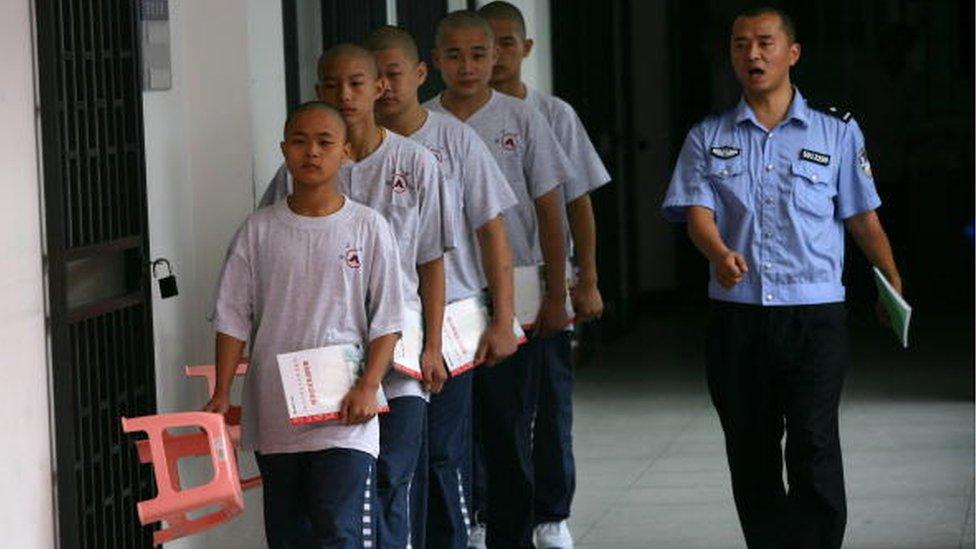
{"x": 899, "y": 311}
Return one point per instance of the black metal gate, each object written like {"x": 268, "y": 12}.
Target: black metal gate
{"x": 97, "y": 244}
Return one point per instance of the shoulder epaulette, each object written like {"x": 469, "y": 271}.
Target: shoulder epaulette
{"x": 840, "y": 114}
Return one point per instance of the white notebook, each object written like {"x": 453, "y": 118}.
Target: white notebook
{"x": 530, "y": 287}
{"x": 464, "y": 322}
{"x": 406, "y": 354}
{"x": 316, "y": 380}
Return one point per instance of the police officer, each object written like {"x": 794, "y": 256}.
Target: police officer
{"x": 767, "y": 189}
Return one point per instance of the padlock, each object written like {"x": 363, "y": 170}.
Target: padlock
{"x": 167, "y": 284}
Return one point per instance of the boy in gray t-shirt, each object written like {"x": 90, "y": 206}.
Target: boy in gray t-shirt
{"x": 313, "y": 271}
{"x": 400, "y": 179}
{"x": 534, "y": 165}
{"x": 478, "y": 191}
{"x": 552, "y": 435}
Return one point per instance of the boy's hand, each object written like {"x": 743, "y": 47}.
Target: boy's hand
{"x": 219, "y": 403}
{"x": 359, "y": 404}
{"x": 552, "y": 316}
{"x": 433, "y": 369}
{"x": 587, "y": 301}
{"x": 497, "y": 343}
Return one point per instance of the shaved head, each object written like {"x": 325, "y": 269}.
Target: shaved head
{"x": 463, "y": 19}
{"x": 314, "y": 105}
{"x": 389, "y": 37}
{"x": 503, "y": 10}
{"x": 347, "y": 51}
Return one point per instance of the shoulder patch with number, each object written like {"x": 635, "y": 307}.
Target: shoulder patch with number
{"x": 725, "y": 152}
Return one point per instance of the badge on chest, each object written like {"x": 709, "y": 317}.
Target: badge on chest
{"x": 725, "y": 152}
{"x": 815, "y": 157}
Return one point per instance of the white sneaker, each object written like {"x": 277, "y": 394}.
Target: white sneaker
{"x": 553, "y": 535}
{"x": 477, "y": 536}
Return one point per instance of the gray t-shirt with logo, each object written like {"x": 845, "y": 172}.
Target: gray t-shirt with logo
{"x": 293, "y": 282}
{"x": 476, "y": 188}
{"x": 401, "y": 180}
{"x": 528, "y": 154}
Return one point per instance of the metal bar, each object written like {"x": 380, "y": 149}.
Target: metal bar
{"x": 84, "y": 105}
{"x": 95, "y": 118}
{"x": 104, "y": 248}
{"x": 103, "y": 475}
{"x": 109, "y": 149}
{"x": 84, "y": 428}
{"x": 98, "y": 308}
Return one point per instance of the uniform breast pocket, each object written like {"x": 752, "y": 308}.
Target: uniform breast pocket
{"x": 813, "y": 191}
{"x": 730, "y": 180}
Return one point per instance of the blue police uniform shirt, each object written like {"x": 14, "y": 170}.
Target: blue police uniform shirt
{"x": 780, "y": 198}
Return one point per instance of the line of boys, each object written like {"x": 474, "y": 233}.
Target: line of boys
{"x": 471, "y": 182}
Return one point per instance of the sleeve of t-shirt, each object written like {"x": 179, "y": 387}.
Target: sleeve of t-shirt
{"x": 589, "y": 173}
{"x": 384, "y": 295}
{"x": 234, "y": 301}
{"x": 486, "y": 191}
{"x": 856, "y": 192}
{"x": 689, "y": 186}
{"x": 545, "y": 163}
{"x": 433, "y": 230}
{"x": 278, "y": 188}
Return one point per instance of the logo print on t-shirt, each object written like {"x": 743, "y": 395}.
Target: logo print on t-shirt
{"x": 437, "y": 152}
{"x": 399, "y": 182}
{"x": 508, "y": 140}
{"x": 352, "y": 258}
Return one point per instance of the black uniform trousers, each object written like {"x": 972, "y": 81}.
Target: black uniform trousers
{"x": 773, "y": 370}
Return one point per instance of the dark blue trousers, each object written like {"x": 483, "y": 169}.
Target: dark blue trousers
{"x": 775, "y": 371}
{"x": 418, "y": 494}
{"x": 473, "y": 472}
{"x": 316, "y": 500}
{"x": 507, "y": 398}
{"x": 552, "y": 446}
{"x": 449, "y": 445}
{"x": 401, "y": 447}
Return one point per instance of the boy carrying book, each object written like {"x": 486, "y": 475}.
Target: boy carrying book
{"x": 312, "y": 271}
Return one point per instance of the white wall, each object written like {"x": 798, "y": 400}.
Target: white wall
{"x": 211, "y": 143}
{"x": 26, "y": 488}
{"x": 266, "y": 60}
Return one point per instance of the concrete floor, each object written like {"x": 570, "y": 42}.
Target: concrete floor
{"x": 651, "y": 464}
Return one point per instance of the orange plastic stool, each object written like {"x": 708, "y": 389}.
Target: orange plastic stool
{"x": 233, "y": 415}
{"x": 164, "y": 450}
